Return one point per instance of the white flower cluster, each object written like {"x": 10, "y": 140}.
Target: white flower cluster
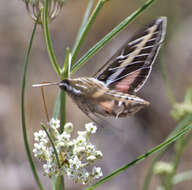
{"x": 75, "y": 155}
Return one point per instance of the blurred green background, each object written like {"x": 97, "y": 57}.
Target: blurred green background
{"x": 131, "y": 136}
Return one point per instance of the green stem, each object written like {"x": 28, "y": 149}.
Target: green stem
{"x": 86, "y": 28}
{"x": 59, "y": 180}
{"x": 27, "y": 148}
{"x": 109, "y": 36}
{"x": 82, "y": 28}
{"x": 52, "y": 144}
{"x": 47, "y": 37}
{"x": 64, "y": 71}
{"x": 56, "y": 181}
{"x": 180, "y": 126}
{"x": 64, "y": 74}
{"x": 59, "y": 183}
{"x": 62, "y": 110}
{"x": 142, "y": 157}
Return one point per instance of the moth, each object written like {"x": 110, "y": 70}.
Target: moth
{"x": 111, "y": 91}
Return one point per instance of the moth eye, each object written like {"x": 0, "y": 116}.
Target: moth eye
{"x": 102, "y": 77}
{"x": 64, "y": 84}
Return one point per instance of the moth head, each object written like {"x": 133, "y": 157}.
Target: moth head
{"x": 64, "y": 85}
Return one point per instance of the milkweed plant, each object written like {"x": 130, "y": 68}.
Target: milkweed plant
{"x": 62, "y": 155}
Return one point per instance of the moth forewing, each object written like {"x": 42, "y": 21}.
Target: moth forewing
{"x": 132, "y": 64}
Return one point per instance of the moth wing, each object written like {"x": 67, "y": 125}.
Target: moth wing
{"x": 129, "y": 68}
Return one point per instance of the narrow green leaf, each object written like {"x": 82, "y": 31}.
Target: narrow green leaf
{"x": 47, "y": 37}
{"x": 26, "y": 143}
{"x": 64, "y": 71}
{"x": 109, "y": 36}
{"x": 84, "y": 22}
{"x": 142, "y": 157}
{"x": 86, "y": 29}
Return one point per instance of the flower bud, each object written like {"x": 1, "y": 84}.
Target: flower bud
{"x": 34, "y": 6}
{"x": 163, "y": 168}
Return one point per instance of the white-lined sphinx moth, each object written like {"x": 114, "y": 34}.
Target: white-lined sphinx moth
{"x": 110, "y": 91}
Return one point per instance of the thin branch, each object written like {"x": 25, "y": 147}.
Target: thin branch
{"x": 26, "y": 143}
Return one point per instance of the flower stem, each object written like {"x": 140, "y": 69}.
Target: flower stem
{"x": 52, "y": 144}
{"x": 27, "y": 148}
{"x": 59, "y": 181}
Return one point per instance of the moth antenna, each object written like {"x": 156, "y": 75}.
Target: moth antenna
{"x": 69, "y": 66}
{"x": 44, "y": 104}
{"x": 42, "y": 84}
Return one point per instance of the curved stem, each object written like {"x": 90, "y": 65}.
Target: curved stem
{"x": 27, "y": 148}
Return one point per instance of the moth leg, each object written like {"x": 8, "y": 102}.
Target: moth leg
{"x": 119, "y": 113}
{"x": 120, "y": 107}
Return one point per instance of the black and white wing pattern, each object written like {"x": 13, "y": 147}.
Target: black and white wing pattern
{"x": 129, "y": 68}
